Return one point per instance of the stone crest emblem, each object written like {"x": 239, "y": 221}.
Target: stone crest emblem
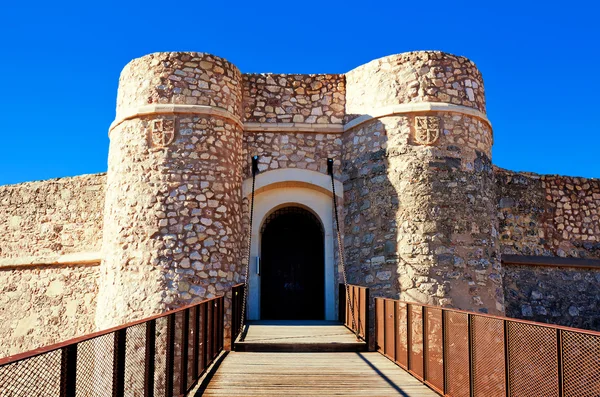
{"x": 162, "y": 132}
{"x": 427, "y": 129}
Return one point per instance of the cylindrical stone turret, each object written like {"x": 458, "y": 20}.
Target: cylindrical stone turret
{"x": 421, "y": 221}
{"x": 172, "y": 226}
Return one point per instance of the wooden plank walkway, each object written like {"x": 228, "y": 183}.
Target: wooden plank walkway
{"x": 299, "y": 336}
{"x": 312, "y": 374}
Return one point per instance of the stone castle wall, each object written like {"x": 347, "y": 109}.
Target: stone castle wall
{"x": 51, "y": 218}
{"x": 559, "y": 295}
{"x": 44, "y": 299}
{"x": 550, "y": 216}
{"x": 42, "y": 305}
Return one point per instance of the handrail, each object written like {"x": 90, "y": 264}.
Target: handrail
{"x": 359, "y": 296}
{"x": 166, "y": 353}
{"x": 79, "y": 339}
{"x": 457, "y": 352}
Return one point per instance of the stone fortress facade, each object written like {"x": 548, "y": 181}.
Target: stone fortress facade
{"x": 425, "y": 214}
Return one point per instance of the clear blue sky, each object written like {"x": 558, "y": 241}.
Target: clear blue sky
{"x": 61, "y": 61}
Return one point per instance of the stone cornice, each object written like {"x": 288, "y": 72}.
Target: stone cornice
{"x": 417, "y": 107}
{"x": 294, "y": 127}
{"x": 170, "y": 109}
{"x": 78, "y": 258}
{"x": 394, "y": 110}
{"x": 550, "y": 261}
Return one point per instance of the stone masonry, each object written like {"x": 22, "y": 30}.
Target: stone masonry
{"x": 425, "y": 215}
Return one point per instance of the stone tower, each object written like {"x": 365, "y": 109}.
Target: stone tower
{"x": 421, "y": 211}
{"x": 172, "y": 221}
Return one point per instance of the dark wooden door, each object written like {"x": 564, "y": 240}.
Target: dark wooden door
{"x": 292, "y": 256}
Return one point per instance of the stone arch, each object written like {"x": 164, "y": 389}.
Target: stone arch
{"x": 292, "y": 177}
{"x": 317, "y": 202}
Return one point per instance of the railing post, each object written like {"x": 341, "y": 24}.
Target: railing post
{"x": 559, "y": 346}
{"x": 470, "y": 336}
{"x": 68, "y": 371}
{"x": 214, "y": 336}
{"x": 234, "y": 316}
{"x": 367, "y": 314}
{"x": 444, "y": 353}
{"x": 342, "y": 304}
{"x": 409, "y": 336}
{"x": 119, "y": 363}
{"x": 196, "y": 341}
{"x": 396, "y": 331}
{"x": 205, "y": 335}
{"x": 222, "y": 322}
{"x": 506, "y": 360}
{"x": 149, "y": 364}
{"x": 425, "y": 341}
{"x": 185, "y": 329}
{"x": 170, "y": 355}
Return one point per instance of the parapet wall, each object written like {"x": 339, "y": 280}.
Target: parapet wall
{"x": 548, "y": 215}
{"x": 179, "y": 78}
{"x": 52, "y": 218}
{"x": 294, "y": 98}
{"x": 413, "y": 77}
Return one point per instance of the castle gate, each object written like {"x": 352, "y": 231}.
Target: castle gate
{"x": 292, "y": 266}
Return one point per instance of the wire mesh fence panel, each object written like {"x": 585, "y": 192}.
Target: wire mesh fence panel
{"x": 37, "y": 376}
{"x": 380, "y": 328}
{"x": 177, "y": 354}
{"x": 135, "y": 357}
{"x": 160, "y": 363}
{"x": 581, "y": 364}
{"x": 434, "y": 353}
{"x": 390, "y": 329}
{"x": 95, "y": 367}
{"x": 533, "y": 360}
{"x": 402, "y": 336}
{"x": 189, "y": 373}
{"x": 488, "y": 357}
{"x": 363, "y": 313}
{"x": 457, "y": 354}
{"x": 416, "y": 341}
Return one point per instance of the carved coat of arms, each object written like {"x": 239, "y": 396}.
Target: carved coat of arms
{"x": 427, "y": 129}
{"x": 162, "y": 132}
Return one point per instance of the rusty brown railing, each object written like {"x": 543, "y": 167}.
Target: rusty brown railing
{"x": 163, "y": 355}
{"x": 237, "y": 300}
{"x": 459, "y": 353}
{"x": 359, "y": 296}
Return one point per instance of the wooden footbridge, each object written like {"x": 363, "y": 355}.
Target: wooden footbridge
{"x": 409, "y": 350}
{"x": 307, "y": 359}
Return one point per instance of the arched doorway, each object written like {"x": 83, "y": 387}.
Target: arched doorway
{"x": 292, "y": 262}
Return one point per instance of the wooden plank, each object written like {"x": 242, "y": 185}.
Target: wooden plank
{"x": 296, "y": 332}
{"x": 313, "y": 374}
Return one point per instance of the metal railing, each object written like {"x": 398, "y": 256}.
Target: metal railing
{"x": 359, "y": 296}
{"x": 163, "y": 355}
{"x": 237, "y": 300}
{"x": 459, "y": 353}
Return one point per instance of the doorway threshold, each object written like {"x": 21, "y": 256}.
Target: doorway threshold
{"x": 298, "y": 336}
